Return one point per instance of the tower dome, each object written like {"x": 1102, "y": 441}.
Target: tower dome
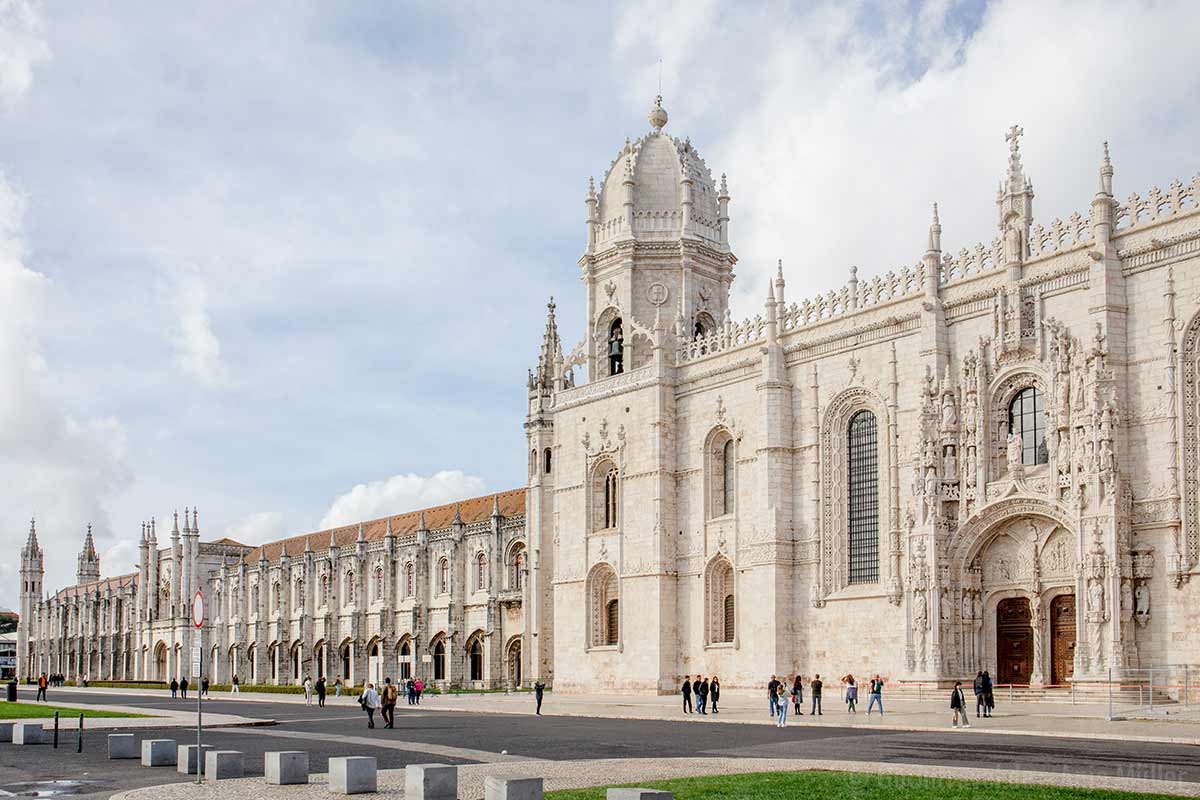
{"x": 658, "y": 188}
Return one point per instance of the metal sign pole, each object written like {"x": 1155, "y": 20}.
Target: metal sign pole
{"x": 198, "y": 677}
{"x": 199, "y": 703}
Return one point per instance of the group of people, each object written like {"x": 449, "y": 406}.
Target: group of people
{"x": 781, "y": 695}
{"x": 179, "y": 688}
{"x": 985, "y": 700}
{"x": 385, "y": 698}
{"x": 703, "y": 689}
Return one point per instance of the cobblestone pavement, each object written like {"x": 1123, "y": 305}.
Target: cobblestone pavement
{"x": 579, "y": 774}
{"x": 586, "y": 745}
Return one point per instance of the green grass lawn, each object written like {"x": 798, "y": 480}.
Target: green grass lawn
{"x": 42, "y": 711}
{"x": 852, "y": 786}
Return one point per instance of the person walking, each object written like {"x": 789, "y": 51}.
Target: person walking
{"x": 977, "y": 686}
{"x": 204, "y": 686}
{"x": 174, "y": 688}
{"x": 704, "y": 690}
{"x": 958, "y": 705}
{"x": 989, "y": 695}
{"x": 233, "y": 687}
{"x": 410, "y": 692}
{"x": 798, "y": 694}
{"x": 369, "y": 700}
{"x": 183, "y": 684}
{"x": 337, "y": 686}
{"x": 851, "y": 694}
{"x": 773, "y": 695}
{"x": 308, "y": 690}
{"x": 539, "y": 690}
{"x": 714, "y": 692}
{"x": 321, "y": 692}
{"x": 41, "y": 692}
{"x": 419, "y": 688}
{"x": 390, "y": 696}
{"x": 814, "y": 689}
{"x": 876, "y": 695}
{"x": 687, "y": 694}
{"x": 781, "y": 704}
{"x": 696, "y": 695}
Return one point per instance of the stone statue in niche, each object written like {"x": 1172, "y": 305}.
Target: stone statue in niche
{"x": 966, "y": 606}
{"x": 920, "y": 610}
{"x": 1126, "y": 599}
{"x": 950, "y": 464}
{"x": 1015, "y": 467}
{"x": 949, "y": 413}
{"x": 1096, "y": 596}
{"x": 1141, "y": 603}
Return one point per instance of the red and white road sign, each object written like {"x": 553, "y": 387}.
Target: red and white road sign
{"x": 198, "y": 610}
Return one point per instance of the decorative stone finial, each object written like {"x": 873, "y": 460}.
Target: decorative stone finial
{"x": 657, "y": 115}
{"x": 1106, "y": 173}
{"x": 724, "y": 186}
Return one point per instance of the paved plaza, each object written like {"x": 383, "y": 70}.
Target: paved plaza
{"x": 592, "y": 740}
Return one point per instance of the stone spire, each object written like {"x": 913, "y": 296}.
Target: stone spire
{"x": 543, "y": 382}
{"x": 1106, "y": 174}
{"x": 935, "y": 233}
{"x": 88, "y": 564}
{"x": 1014, "y": 204}
{"x": 31, "y": 548}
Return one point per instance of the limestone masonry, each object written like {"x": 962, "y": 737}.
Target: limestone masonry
{"x": 984, "y": 460}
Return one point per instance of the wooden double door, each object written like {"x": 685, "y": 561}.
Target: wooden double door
{"x": 1062, "y": 638}
{"x": 1014, "y": 641}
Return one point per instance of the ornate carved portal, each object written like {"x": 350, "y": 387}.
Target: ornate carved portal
{"x": 1014, "y": 641}
{"x": 1062, "y": 638}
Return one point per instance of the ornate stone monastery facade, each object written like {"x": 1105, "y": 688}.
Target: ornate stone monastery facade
{"x": 984, "y": 460}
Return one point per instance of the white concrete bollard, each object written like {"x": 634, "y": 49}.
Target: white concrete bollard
{"x": 286, "y": 767}
{"x": 430, "y": 782}
{"x": 6, "y": 731}
{"x": 352, "y": 775}
{"x": 221, "y": 765}
{"x": 158, "y": 752}
{"x": 512, "y": 788}
{"x": 28, "y": 733}
{"x": 122, "y": 745}
{"x": 638, "y": 794}
{"x": 186, "y": 762}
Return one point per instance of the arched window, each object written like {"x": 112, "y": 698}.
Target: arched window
{"x": 443, "y": 576}
{"x": 324, "y": 590}
{"x": 275, "y": 597}
{"x": 405, "y": 660}
{"x": 863, "y": 498}
{"x": 616, "y": 348}
{"x": 349, "y": 588}
{"x": 604, "y": 608}
{"x": 719, "y": 469}
{"x": 1027, "y": 420}
{"x": 378, "y": 583}
{"x": 698, "y": 331}
{"x": 409, "y": 579}
{"x": 299, "y": 592}
{"x": 475, "y": 659}
{"x": 546, "y": 461}
{"x": 481, "y": 565}
{"x": 719, "y": 601}
{"x": 518, "y": 573}
{"x": 439, "y": 660}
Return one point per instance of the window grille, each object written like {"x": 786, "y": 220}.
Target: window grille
{"x": 863, "y": 465}
{"x": 728, "y": 618}
{"x": 727, "y": 462}
{"x": 612, "y": 620}
{"x": 1027, "y": 419}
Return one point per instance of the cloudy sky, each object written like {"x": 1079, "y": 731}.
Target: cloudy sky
{"x": 288, "y": 262}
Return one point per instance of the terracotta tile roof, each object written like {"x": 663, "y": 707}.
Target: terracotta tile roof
{"x": 104, "y": 584}
{"x": 476, "y": 509}
{"x": 228, "y": 541}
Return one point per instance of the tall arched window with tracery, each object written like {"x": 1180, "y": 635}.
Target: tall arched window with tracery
{"x": 516, "y": 577}
{"x": 1027, "y": 421}
{"x": 719, "y": 601}
{"x": 606, "y": 486}
{"x": 863, "y": 497}
{"x": 443, "y": 576}
{"x": 720, "y": 463}
{"x": 378, "y": 584}
{"x": 349, "y": 592}
{"x": 603, "y": 607}
{"x": 325, "y": 590}
{"x": 481, "y": 572}
{"x": 409, "y": 579}
{"x": 275, "y": 597}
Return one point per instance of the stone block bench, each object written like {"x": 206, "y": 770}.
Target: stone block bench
{"x": 186, "y": 760}
{"x": 6, "y": 731}
{"x": 28, "y": 733}
{"x": 353, "y": 775}
{"x": 158, "y": 752}
{"x": 122, "y": 745}
{"x": 220, "y": 765}
{"x": 638, "y": 794}
{"x": 286, "y": 767}
{"x": 430, "y": 782}
{"x": 512, "y": 788}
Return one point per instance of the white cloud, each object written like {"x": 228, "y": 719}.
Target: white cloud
{"x": 258, "y": 528}
{"x": 21, "y": 48}
{"x": 198, "y": 350}
{"x": 59, "y": 467}
{"x": 401, "y": 493}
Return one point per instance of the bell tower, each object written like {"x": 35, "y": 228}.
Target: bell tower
{"x": 657, "y": 245}
{"x": 32, "y": 571}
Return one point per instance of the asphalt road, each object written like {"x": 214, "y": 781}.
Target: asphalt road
{"x": 423, "y": 735}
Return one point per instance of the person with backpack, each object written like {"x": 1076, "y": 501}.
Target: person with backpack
{"x": 390, "y": 696}
{"x": 369, "y": 701}
{"x": 321, "y": 692}
{"x": 958, "y": 705}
